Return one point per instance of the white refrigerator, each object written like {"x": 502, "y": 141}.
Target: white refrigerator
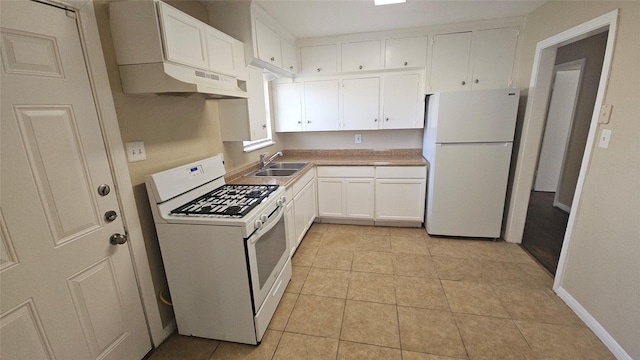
{"x": 468, "y": 141}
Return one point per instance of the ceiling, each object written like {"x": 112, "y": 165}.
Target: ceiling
{"x": 314, "y": 18}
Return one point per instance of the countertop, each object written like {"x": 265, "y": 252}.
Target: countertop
{"x": 395, "y": 157}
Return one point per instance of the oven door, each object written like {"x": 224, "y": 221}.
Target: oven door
{"x": 267, "y": 251}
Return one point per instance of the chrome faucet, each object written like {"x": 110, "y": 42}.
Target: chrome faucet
{"x": 264, "y": 163}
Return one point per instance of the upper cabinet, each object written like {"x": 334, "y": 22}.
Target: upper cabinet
{"x": 151, "y": 31}
{"x": 319, "y": 60}
{"x": 473, "y": 60}
{"x": 266, "y": 43}
{"x": 403, "y": 102}
{"x": 245, "y": 119}
{"x": 361, "y": 56}
{"x": 407, "y": 52}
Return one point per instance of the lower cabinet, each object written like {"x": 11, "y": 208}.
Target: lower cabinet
{"x": 301, "y": 209}
{"x": 346, "y": 192}
{"x": 385, "y": 194}
{"x": 400, "y": 193}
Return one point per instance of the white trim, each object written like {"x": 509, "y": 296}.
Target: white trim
{"x": 562, "y": 206}
{"x": 105, "y": 107}
{"x": 170, "y": 328}
{"x": 594, "y": 325}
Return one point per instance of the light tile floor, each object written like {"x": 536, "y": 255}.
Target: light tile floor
{"x": 360, "y": 292}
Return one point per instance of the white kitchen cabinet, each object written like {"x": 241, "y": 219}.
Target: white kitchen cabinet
{"x": 400, "y": 193}
{"x": 319, "y": 60}
{"x": 360, "y": 103}
{"x": 321, "y": 105}
{"x": 407, "y": 52}
{"x": 481, "y": 59}
{"x": 450, "y": 62}
{"x": 493, "y": 65}
{"x": 225, "y": 54}
{"x": 245, "y": 119}
{"x": 184, "y": 37}
{"x": 403, "y": 102}
{"x": 301, "y": 209}
{"x": 288, "y": 107}
{"x": 361, "y": 56}
{"x": 268, "y": 44}
{"x": 346, "y": 192}
{"x": 262, "y": 36}
{"x": 289, "y": 58}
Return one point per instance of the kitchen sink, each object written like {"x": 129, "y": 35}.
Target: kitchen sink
{"x": 288, "y": 165}
{"x": 274, "y": 172}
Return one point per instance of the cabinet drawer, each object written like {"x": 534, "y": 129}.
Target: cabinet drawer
{"x": 346, "y": 171}
{"x": 401, "y": 172}
{"x": 302, "y": 182}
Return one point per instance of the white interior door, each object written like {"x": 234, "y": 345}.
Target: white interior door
{"x": 67, "y": 293}
{"x": 556, "y": 134}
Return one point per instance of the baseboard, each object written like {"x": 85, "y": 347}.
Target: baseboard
{"x": 593, "y": 324}
{"x": 562, "y": 206}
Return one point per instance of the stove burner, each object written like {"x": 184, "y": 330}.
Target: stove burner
{"x": 233, "y": 201}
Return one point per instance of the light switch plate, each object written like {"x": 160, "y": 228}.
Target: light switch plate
{"x": 135, "y": 151}
{"x": 605, "y": 114}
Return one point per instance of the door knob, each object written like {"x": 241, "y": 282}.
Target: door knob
{"x": 110, "y": 215}
{"x": 104, "y": 189}
{"x": 118, "y": 239}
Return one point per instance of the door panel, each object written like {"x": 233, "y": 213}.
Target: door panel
{"x": 67, "y": 293}
{"x": 467, "y": 189}
{"x": 450, "y": 62}
{"x": 321, "y": 105}
{"x": 361, "y": 103}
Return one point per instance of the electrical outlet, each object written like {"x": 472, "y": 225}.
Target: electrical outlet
{"x": 135, "y": 151}
{"x": 358, "y": 139}
{"x": 605, "y": 136}
{"x": 605, "y": 114}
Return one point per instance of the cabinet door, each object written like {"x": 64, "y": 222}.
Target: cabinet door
{"x": 403, "y": 102}
{"x": 288, "y": 107}
{"x": 221, "y": 52}
{"x": 268, "y": 44}
{"x": 321, "y": 59}
{"x": 300, "y": 216}
{"x": 494, "y": 54}
{"x": 450, "y": 62}
{"x": 184, "y": 38}
{"x": 330, "y": 197}
{"x": 400, "y": 199}
{"x": 256, "y": 103}
{"x": 321, "y": 105}
{"x": 289, "y": 59}
{"x": 360, "y": 103}
{"x": 312, "y": 206}
{"x": 290, "y": 227}
{"x": 359, "y": 198}
{"x": 361, "y": 56}
{"x": 405, "y": 52}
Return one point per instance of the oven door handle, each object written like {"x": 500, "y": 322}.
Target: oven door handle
{"x": 273, "y": 221}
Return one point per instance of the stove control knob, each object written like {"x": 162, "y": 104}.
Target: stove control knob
{"x": 281, "y": 201}
{"x": 264, "y": 218}
{"x": 258, "y": 224}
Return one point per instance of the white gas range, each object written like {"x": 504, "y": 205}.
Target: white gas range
{"x": 224, "y": 250}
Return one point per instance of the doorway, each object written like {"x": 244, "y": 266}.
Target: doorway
{"x": 576, "y": 74}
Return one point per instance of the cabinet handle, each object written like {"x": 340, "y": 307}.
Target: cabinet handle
{"x": 308, "y": 121}
{"x": 264, "y": 126}
{"x": 464, "y": 83}
{"x": 360, "y": 67}
{"x": 406, "y": 63}
{"x": 375, "y": 120}
{"x": 299, "y": 122}
{"x": 318, "y": 69}
{"x": 273, "y": 58}
{"x": 291, "y": 67}
{"x": 387, "y": 119}
{"x": 476, "y": 81}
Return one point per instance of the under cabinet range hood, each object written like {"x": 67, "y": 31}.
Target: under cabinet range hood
{"x": 161, "y": 50}
{"x": 171, "y": 79}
